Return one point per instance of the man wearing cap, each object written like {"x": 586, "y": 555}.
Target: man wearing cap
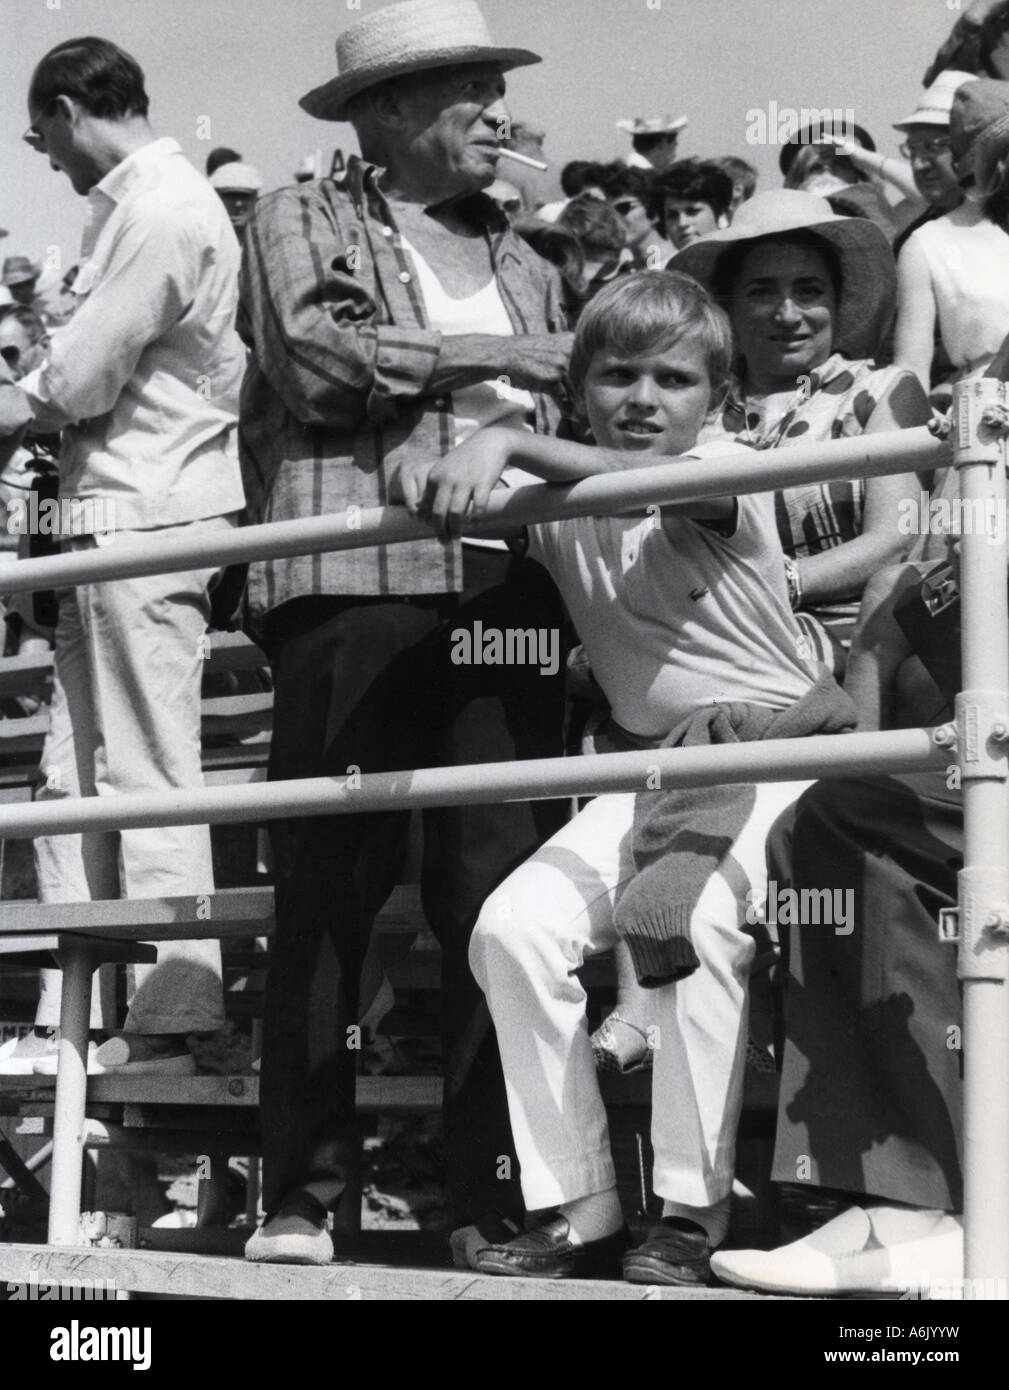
{"x": 653, "y": 141}
{"x": 390, "y": 315}
{"x": 21, "y": 276}
{"x": 143, "y": 383}
{"x": 238, "y": 186}
{"x": 927, "y": 146}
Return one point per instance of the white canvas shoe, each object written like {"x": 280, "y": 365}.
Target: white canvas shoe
{"x": 862, "y": 1251}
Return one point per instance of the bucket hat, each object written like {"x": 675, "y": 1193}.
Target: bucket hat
{"x": 934, "y": 104}
{"x": 868, "y": 288}
{"x": 409, "y": 37}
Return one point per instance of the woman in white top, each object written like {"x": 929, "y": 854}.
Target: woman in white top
{"x": 955, "y": 270}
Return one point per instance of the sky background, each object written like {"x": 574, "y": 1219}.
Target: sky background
{"x": 244, "y": 63}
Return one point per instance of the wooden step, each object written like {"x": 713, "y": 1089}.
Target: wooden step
{"x": 229, "y": 912}
{"x": 208, "y": 1276}
{"x": 387, "y": 1095}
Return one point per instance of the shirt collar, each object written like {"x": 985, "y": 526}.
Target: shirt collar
{"x": 119, "y": 182}
{"x": 361, "y": 182}
{"x": 117, "y": 185}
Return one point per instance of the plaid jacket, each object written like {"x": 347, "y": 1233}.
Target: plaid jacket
{"x": 341, "y": 382}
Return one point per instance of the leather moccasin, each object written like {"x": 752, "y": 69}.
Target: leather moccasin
{"x": 549, "y": 1253}
{"x": 674, "y": 1252}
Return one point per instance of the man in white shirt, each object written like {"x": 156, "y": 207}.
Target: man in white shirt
{"x": 144, "y": 384}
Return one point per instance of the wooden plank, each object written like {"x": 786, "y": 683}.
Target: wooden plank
{"x": 235, "y": 755}
{"x": 233, "y": 651}
{"x": 26, "y": 675}
{"x": 231, "y": 776}
{"x": 388, "y": 1095}
{"x": 34, "y": 950}
{"x": 229, "y": 912}
{"x": 208, "y": 1276}
{"x": 237, "y": 715}
{"x": 23, "y": 735}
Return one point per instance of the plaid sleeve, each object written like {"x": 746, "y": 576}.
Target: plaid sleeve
{"x": 310, "y": 316}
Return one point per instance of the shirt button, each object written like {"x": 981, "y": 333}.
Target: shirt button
{"x": 441, "y": 403}
{"x": 405, "y": 276}
{"x": 387, "y": 231}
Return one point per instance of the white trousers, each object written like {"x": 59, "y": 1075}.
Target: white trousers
{"x": 125, "y": 717}
{"x": 535, "y": 932}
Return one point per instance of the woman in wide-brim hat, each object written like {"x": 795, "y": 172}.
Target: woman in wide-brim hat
{"x": 810, "y": 295}
{"x": 953, "y": 272}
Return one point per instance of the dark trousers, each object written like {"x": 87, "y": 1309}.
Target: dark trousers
{"x": 371, "y": 684}
{"x": 871, "y": 1088}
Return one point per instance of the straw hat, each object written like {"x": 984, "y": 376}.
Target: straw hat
{"x": 935, "y": 102}
{"x": 868, "y": 287}
{"x": 653, "y": 125}
{"x": 409, "y": 37}
{"x": 976, "y": 106}
{"x": 237, "y": 177}
{"x": 18, "y": 269}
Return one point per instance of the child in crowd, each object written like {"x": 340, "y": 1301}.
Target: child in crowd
{"x": 686, "y": 620}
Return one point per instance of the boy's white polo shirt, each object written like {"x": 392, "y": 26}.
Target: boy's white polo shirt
{"x": 675, "y": 616}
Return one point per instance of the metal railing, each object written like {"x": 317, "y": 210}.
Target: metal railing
{"x": 979, "y": 735}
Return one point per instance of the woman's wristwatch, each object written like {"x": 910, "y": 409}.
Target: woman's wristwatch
{"x": 794, "y": 582}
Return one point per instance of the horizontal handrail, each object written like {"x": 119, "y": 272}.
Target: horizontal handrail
{"x": 535, "y": 779}
{"x": 689, "y": 480}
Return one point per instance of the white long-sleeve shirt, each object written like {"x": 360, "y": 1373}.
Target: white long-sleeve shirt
{"x": 144, "y": 379}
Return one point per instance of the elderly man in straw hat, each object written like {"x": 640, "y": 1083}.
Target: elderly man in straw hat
{"x": 391, "y": 315}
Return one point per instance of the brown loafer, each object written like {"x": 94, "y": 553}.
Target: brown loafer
{"x": 549, "y": 1253}
{"x": 674, "y": 1252}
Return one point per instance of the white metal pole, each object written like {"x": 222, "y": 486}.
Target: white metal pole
{"x": 982, "y": 734}
{"x": 534, "y": 779}
{"x": 77, "y": 960}
{"x": 606, "y": 494}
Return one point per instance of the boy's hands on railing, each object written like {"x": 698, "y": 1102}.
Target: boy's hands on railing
{"x": 408, "y": 482}
{"x": 459, "y": 485}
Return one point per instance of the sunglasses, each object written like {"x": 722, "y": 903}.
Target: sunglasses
{"x": 33, "y": 136}
{"x": 931, "y": 149}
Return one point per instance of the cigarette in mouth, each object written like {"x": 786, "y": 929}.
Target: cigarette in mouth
{"x": 506, "y": 153}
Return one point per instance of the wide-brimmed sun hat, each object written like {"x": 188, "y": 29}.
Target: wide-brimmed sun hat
{"x": 868, "y": 289}
{"x": 935, "y": 102}
{"x": 977, "y": 106}
{"x": 18, "y": 269}
{"x": 409, "y": 37}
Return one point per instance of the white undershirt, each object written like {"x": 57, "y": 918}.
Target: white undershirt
{"x": 485, "y": 403}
